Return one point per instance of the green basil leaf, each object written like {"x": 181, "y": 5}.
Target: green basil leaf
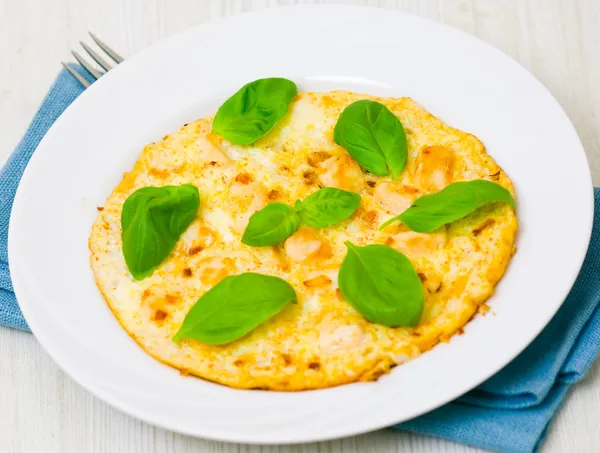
{"x": 152, "y": 220}
{"x": 452, "y": 203}
{"x": 382, "y": 285}
{"x": 253, "y": 111}
{"x": 373, "y": 136}
{"x": 327, "y": 207}
{"x": 272, "y": 225}
{"x": 234, "y": 307}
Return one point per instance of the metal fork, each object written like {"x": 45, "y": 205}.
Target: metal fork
{"x": 93, "y": 71}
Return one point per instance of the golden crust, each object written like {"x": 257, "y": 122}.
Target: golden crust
{"x": 320, "y": 342}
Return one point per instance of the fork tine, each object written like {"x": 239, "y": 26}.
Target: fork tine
{"x": 111, "y": 53}
{"x": 88, "y": 67}
{"x": 75, "y": 74}
{"x": 101, "y": 61}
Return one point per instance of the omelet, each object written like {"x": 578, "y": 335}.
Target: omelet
{"x": 321, "y": 341}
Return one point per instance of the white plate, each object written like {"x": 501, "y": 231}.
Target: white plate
{"x": 457, "y": 77}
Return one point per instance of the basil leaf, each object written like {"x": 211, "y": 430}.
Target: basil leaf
{"x": 382, "y": 285}
{"x": 253, "y": 111}
{"x": 234, "y": 307}
{"x": 452, "y": 203}
{"x": 272, "y": 225}
{"x": 152, "y": 220}
{"x": 327, "y": 207}
{"x": 373, "y": 136}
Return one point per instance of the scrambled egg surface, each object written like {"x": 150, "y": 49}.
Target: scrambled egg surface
{"x": 322, "y": 341}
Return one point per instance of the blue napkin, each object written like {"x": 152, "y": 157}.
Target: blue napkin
{"x": 509, "y": 413}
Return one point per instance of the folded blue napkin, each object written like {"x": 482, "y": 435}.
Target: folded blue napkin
{"x": 509, "y": 413}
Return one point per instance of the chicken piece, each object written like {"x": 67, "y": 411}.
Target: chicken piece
{"x": 317, "y": 282}
{"x": 342, "y": 172}
{"x": 209, "y": 151}
{"x": 196, "y": 238}
{"x": 415, "y": 244}
{"x": 342, "y": 340}
{"x": 394, "y": 197}
{"x": 306, "y": 244}
{"x": 434, "y": 168}
{"x": 419, "y": 248}
{"x": 214, "y": 269}
{"x": 247, "y": 198}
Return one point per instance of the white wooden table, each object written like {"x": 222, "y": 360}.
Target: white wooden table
{"x": 42, "y": 410}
